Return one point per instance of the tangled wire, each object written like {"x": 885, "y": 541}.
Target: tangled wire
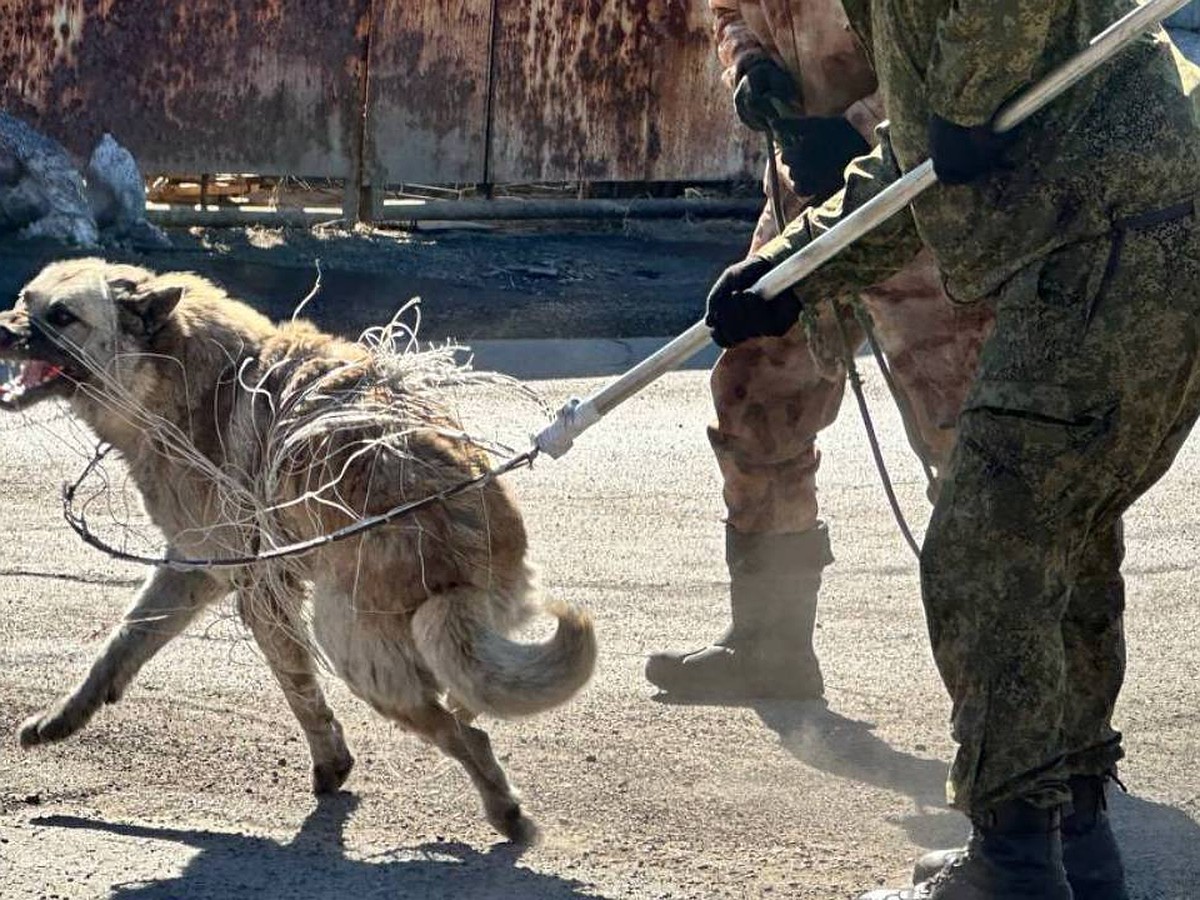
{"x": 412, "y": 388}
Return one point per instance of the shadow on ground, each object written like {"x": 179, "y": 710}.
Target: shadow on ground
{"x": 848, "y": 748}
{"x": 313, "y": 865}
{"x": 1160, "y": 843}
{"x": 1161, "y": 848}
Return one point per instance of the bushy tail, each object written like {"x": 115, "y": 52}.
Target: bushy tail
{"x": 491, "y": 673}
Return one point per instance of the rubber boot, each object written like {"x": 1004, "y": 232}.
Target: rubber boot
{"x": 767, "y": 652}
{"x": 1014, "y": 853}
{"x": 1090, "y": 852}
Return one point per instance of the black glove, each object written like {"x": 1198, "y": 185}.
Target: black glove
{"x": 735, "y": 313}
{"x": 764, "y": 93}
{"x": 962, "y": 154}
{"x": 816, "y": 151}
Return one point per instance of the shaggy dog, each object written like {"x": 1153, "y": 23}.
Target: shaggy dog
{"x": 242, "y": 435}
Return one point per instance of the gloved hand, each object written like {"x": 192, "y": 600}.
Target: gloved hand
{"x": 764, "y": 93}
{"x": 736, "y": 314}
{"x": 816, "y": 151}
{"x": 962, "y": 154}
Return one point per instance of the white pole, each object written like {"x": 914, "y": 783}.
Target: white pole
{"x": 578, "y": 415}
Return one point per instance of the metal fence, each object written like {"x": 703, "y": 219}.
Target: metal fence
{"x": 382, "y": 91}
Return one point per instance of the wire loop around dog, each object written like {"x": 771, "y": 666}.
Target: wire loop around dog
{"x": 78, "y": 521}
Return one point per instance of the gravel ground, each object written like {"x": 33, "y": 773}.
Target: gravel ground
{"x": 195, "y": 786}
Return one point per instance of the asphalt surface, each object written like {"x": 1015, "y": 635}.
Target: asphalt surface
{"x": 196, "y": 785}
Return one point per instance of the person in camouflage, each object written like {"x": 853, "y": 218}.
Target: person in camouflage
{"x": 800, "y": 74}
{"x": 1082, "y": 227}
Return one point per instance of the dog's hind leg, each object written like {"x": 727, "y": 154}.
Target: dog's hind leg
{"x": 473, "y": 749}
{"x": 286, "y": 649}
{"x": 168, "y": 601}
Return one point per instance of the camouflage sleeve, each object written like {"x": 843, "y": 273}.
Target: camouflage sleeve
{"x": 737, "y": 45}
{"x": 872, "y": 258}
{"x": 986, "y": 51}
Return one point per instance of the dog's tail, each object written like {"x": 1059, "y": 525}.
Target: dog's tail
{"x": 487, "y": 671}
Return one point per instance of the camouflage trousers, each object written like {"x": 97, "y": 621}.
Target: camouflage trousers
{"x": 772, "y": 396}
{"x": 1087, "y": 389}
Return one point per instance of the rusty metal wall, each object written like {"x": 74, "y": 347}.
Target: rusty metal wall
{"x": 572, "y": 90}
{"x": 382, "y": 90}
{"x": 623, "y": 90}
{"x": 192, "y": 85}
{"x": 429, "y": 69}
{"x": 695, "y": 128}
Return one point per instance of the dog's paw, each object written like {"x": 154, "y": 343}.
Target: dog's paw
{"x": 515, "y": 825}
{"x": 327, "y": 777}
{"x": 44, "y": 729}
{"x": 57, "y": 723}
{"x": 28, "y": 735}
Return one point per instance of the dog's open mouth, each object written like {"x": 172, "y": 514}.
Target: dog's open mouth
{"x": 30, "y": 379}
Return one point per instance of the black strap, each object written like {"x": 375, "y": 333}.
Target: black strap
{"x": 1179, "y": 210}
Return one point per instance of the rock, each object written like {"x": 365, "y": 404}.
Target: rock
{"x": 116, "y": 192}
{"x": 41, "y": 193}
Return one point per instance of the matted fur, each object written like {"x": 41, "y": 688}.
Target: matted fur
{"x": 240, "y": 435}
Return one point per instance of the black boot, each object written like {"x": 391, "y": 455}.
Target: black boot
{"x": 1014, "y": 853}
{"x": 1090, "y": 850}
{"x": 1090, "y": 853}
{"x": 768, "y": 650}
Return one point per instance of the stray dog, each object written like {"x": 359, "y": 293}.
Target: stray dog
{"x": 241, "y": 434}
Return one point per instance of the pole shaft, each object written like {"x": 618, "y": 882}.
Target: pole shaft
{"x": 666, "y": 358}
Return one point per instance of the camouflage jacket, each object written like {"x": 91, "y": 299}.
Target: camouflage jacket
{"x": 1123, "y": 141}
{"x": 813, "y": 42}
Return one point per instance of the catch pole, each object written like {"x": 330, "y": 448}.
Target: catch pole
{"x": 580, "y": 414}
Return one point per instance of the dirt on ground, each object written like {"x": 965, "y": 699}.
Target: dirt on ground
{"x": 475, "y": 280}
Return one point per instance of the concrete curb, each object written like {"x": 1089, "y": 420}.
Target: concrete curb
{"x": 531, "y": 360}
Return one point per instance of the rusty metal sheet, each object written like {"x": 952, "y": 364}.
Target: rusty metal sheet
{"x": 572, "y": 86}
{"x": 622, "y": 90}
{"x": 428, "y": 84}
{"x": 580, "y": 89}
{"x": 694, "y": 132}
{"x": 193, "y": 85}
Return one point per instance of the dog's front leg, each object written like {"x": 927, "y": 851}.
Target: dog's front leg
{"x": 168, "y": 601}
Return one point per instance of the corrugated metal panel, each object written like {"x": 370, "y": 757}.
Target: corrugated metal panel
{"x": 1188, "y": 17}
{"x": 1188, "y": 42}
{"x": 428, "y": 89}
{"x": 192, "y": 85}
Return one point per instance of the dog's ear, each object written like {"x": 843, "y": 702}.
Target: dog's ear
{"x": 149, "y": 304}
{"x": 122, "y": 288}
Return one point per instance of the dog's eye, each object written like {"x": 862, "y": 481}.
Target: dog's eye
{"x": 60, "y": 317}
